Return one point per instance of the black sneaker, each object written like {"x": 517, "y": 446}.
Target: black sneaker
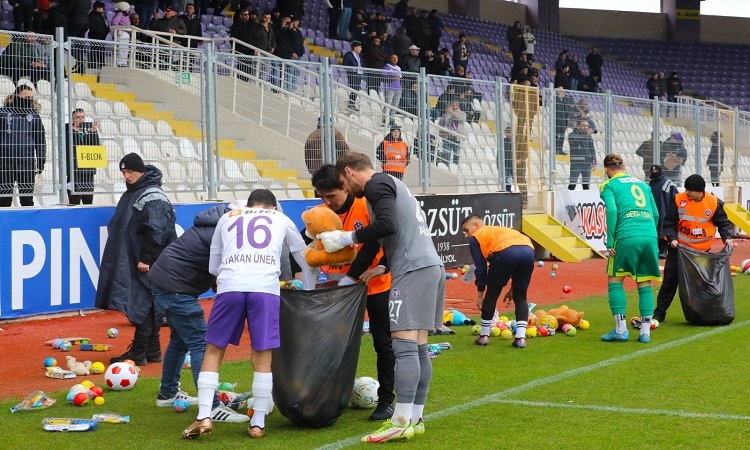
{"x": 153, "y": 358}
{"x": 381, "y": 413}
{"x": 138, "y": 362}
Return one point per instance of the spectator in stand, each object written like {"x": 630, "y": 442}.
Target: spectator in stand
{"x": 353, "y": 60}
{"x": 662, "y": 86}
{"x": 653, "y": 86}
{"x": 263, "y": 36}
{"x": 436, "y": 29}
{"x": 425, "y": 30}
{"x": 386, "y": 44}
{"x": 314, "y": 148}
{"x": 674, "y": 154}
{"x": 715, "y": 159}
{"x": 426, "y": 59}
{"x": 508, "y": 155}
{"x": 595, "y": 62}
{"x": 170, "y": 23}
{"x": 80, "y": 133}
{"x": 464, "y": 101}
{"x": 441, "y": 65}
{"x": 646, "y": 151}
{"x": 674, "y": 88}
{"x": 334, "y": 16}
{"x": 444, "y": 101}
{"x": 122, "y": 19}
{"x": 410, "y": 64}
{"x": 358, "y": 27}
{"x": 582, "y": 155}
{"x": 346, "y": 17}
{"x": 98, "y": 30}
{"x": 193, "y": 24}
{"x": 563, "y": 110}
{"x": 25, "y": 57}
{"x": 375, "y": 58}
{"x": 23, "y": 14}
{"x": 530, "y": 41}
{"x": 392, "y": 88}
{"x": 290, "y": 46}
{"x": 379, "y": 24}
{"x": 574, "y": 72}
{"x": 393, "y": 153}
{"x": 520, "y": 63}
{"x": 562, "y": 60}
{"x": 55, "y": 17}
{"x": 401, "y": 43}
{"x": 77, "y": 12}
{"x": 410, "y": 97}
{"x": 242, "y": 30}
{"x": 145, "y": 10}
{"x": 562, "y": 78}
{"x": 401, "y": 9}
{"x": 583, "y": 112}
{"x": 453, "y": 119}
{"x": 413, "y": 28}
{"x": 23, "y": 149}
{"x": 461, "y": 53}
{"x": 590, "y": 84}
{"x": 516, "y": 42}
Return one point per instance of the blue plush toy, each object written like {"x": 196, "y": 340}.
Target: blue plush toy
{"x": 455, "y": 317}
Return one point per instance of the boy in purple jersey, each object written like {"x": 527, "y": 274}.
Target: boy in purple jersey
{"x": 245, "y": 257}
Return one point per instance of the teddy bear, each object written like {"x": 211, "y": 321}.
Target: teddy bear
{"x": 80, "y": 368}
{"x": 318, "y": 220}
{"x": 563, "y": 314}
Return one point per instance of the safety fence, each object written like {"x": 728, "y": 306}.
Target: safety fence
{"x": 220, "y": 119}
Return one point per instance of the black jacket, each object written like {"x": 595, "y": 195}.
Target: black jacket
{"x": 243, "y": 32}
{"x": 98, "y": 28}
{"x": 22, "y": 135}
{"x": 140, "y": 229}
{"x": 663, "y": 190}
{"x": 83, "y": 137}
{"x": 582, "y": 149}
{"x": 716, "y": 155}
{"x": 182, "y": 267}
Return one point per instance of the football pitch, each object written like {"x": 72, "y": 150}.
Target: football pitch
{"x": 682, "y": 390}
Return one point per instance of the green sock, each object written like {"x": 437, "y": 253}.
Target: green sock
{"x": 646, "y": 301}
{"x": 617, "y": 300}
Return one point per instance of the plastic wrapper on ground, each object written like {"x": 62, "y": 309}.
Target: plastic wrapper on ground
{"x": 706, "y": 287}
{"x": 314, "y": 369}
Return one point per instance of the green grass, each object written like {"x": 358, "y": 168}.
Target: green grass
{"x": 683, "y": 390}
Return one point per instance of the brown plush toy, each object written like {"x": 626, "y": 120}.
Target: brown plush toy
{"x": 564, "y": 315}
{"x": 318, "y": 220}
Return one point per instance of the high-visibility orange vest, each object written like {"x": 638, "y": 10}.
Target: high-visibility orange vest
{"x": 358, "y": 217}
{"x": 696, "y": 227}
{"x": 493, "y": 239}
{"x": 395, "y": 156}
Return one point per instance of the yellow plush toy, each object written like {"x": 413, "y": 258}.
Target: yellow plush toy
{"x": 318, "y": 220}
{"x": 563, "y": 314}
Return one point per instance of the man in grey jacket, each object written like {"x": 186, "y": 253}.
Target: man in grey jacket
{"x": 582, "y": 155}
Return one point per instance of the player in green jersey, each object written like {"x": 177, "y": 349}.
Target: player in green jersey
{"x": 632, "y": 245}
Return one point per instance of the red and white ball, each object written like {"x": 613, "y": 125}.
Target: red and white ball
{"x": 121, "y": 376}
{"x": 745, "y": 266}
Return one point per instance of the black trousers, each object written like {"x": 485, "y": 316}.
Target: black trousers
{"x": 25, "y": 179}
{"x": 380, "y": 329}
{"x": 146, "y": 338}
{"x": 668, "y": 284}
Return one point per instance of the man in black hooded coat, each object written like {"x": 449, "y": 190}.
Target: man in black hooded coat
{"x": 142, "y": 226}
{"x": 663, "y": 190}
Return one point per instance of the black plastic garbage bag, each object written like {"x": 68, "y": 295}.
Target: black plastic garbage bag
{"x": 314, "y": 369}
{"x": 706, "y": 287}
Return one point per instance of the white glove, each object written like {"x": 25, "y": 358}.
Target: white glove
{"x": 346, "y": 281}
{"x": 334, "y": 241}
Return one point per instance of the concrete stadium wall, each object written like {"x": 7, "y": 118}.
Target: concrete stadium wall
{"x": 440, "y": 5}
{"x": 622, "y": 24}
{"x": 730, "y": 30}
{"x": 503, "y": 12}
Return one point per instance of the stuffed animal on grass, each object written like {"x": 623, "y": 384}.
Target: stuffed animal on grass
{"x": 318, "y": 220}
{"x": 454, "y": 317}
{"x": 563, "y": 315}
{"x": 80, "y": 368}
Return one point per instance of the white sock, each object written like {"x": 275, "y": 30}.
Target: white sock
{"x": 521, "y": 329}
{"x": 621, "y": 325}
{"x": 646, "y": 325}
{"x": 208, "y": 382}
{"x": 486, "y": 325}
{"x": 416, "y": 413}
{"x": 402, "y": 414}
{"x": 262, "y": 388}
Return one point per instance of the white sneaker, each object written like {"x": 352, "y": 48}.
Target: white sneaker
{"x": 179, "y": 395}
{"x": 225, "y": 414}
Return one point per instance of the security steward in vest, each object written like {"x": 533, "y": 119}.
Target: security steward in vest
{"x": 369, "y": 266}
{"x": 692, "y": 220}
{"x": 393, "y": 153}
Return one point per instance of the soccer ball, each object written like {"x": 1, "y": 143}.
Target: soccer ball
{"x": 365, "y": 392}
{"x": 745, "y": 266}
{"x": 112, "y": 332}
{"x": 121, "y": 376}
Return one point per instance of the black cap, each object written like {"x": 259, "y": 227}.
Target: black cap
{"x": 133, "y": 162}
{"x": 655, "y": 172}
{"x": 356, "y": 44}
{"x": 695, "y": 183}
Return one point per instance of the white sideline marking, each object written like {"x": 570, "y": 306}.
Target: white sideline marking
{"x": 499, "y": 397}
{"x": 653, "y": 412}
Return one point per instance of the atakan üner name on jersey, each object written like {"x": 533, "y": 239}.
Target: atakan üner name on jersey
{"x": 250, "y": 258}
